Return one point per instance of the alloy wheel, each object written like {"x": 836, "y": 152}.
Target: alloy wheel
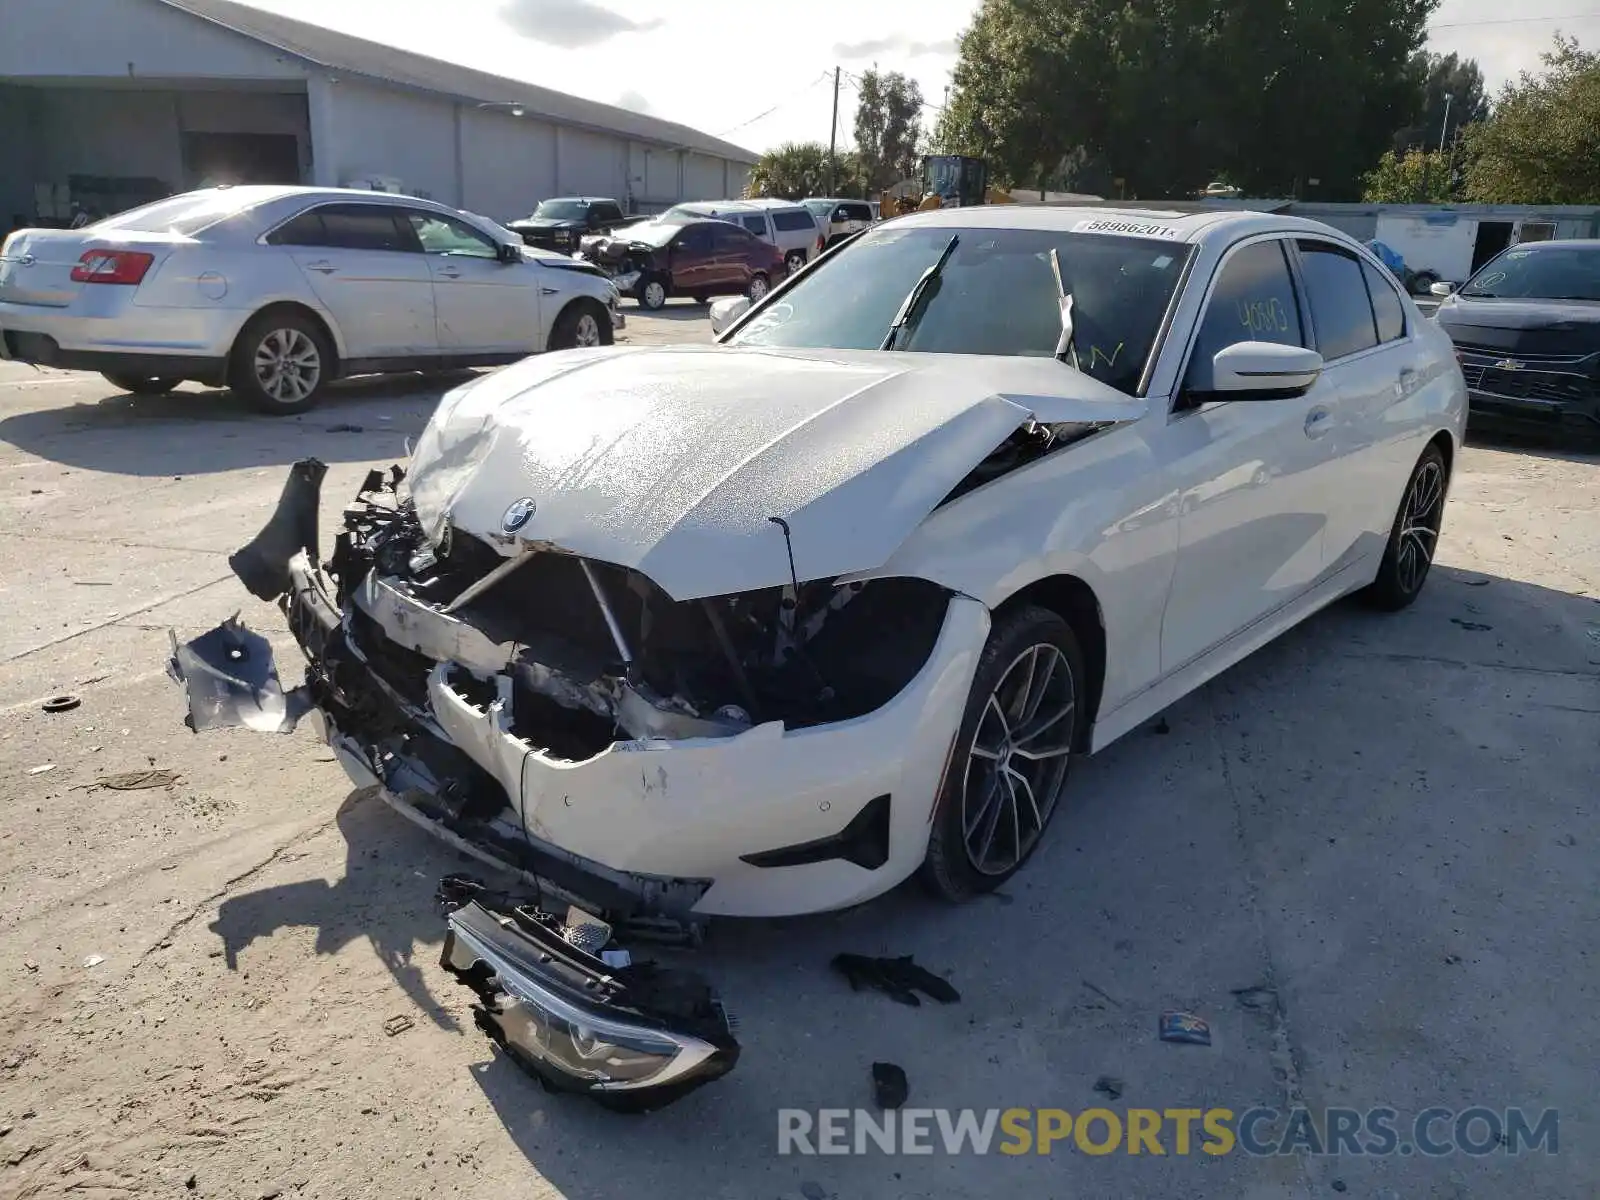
{"x": 758, "y": 288}
{"x": 1419, "y": 526}
{"x": 1018, "y": 759}
{"x": 587, "y": 331}
{"x": 654, "y": 295}
{"x": 288, "y": 365}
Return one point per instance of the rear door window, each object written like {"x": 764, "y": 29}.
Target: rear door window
{"x": 1386, "y": 306}
{"x": 1341, "y": 310}
{"x": 348, "y": 227}
{"x": 1253, "y": 301}
{"x": 732, "y": 240}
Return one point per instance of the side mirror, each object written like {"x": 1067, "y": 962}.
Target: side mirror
{"x": 509, "y": 253}
{"x": 1264, "y": 371}
{"x": 726, "y": 311}
{"x": 1441, "y": 289}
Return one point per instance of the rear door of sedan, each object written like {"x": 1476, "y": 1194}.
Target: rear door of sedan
{"x": 362, "y": 263}
{"x": 1360, "y": 327}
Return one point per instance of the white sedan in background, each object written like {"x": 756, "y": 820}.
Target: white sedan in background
{"x": 278, "y": 291}
{"x": 765, "y": 627}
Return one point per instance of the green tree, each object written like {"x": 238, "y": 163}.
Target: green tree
{"x": 888, "y": 127}
{"x": 1417, "y": 177}
{"x": 792, "y": 171}
{"x": 1438, "y": 76}
{"x": 1168, "y": 93}
{"x": 1542, "y": 146}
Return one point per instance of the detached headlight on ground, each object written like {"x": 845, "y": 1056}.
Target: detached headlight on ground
{"x": 635, "y": 1038}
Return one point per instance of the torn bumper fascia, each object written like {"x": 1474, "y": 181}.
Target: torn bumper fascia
{"x": 652, "y": 810}
{"x": 655, "y": 824}
{"x": 633, "y": 1038}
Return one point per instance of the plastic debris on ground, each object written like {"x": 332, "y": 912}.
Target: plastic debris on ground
{"x": 1185, "y": 1028}
{"x": 889, "y": 1085}
{"x": 898, "y": 978}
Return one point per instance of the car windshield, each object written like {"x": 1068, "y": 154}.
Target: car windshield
{"x": 996, "y": 294}
{"x": 561, "y": 210}
{"x": 1550, "y": 272}
{"x": 657, "y": 232}
{"x": 820, "y": 208}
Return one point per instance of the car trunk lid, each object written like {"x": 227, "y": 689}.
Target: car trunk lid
{"x": 36, "y": 265}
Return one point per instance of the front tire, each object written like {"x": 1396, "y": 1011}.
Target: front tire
{"x": 282, "y": 363}
{"x": 653, "y": 294}
{"x": 1024, "y": 716}
{"x": 1414, "y": 538}
{"x": 581, "y": 323}
{"x": 141, "y": 385}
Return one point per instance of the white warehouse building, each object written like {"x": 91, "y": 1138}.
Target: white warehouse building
{"x": 111, "y": 103}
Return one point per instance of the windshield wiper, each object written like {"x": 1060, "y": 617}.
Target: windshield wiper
{"x": 1066, "y": 348}
{"x": 911, "y": 305}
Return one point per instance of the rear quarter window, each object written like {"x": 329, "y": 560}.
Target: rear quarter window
{"x": 790, "y": 219}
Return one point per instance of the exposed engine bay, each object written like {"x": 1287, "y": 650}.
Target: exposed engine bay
{"x": 594, "y": 652}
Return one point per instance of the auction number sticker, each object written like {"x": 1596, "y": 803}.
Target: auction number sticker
{"x": 1130, "y": 228}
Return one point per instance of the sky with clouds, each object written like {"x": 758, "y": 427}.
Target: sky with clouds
{"x": 759, "y": 73}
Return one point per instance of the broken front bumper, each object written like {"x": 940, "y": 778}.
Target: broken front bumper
{"x": 674, "y": 816}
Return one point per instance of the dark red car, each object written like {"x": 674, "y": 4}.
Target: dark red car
{"x": 657, "y": 259}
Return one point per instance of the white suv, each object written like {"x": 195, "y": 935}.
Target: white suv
{"x": 277, "y": 291}
{"x": 787, "y": 225}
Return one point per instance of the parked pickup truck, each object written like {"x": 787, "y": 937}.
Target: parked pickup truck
{"x": 560, "y": 224}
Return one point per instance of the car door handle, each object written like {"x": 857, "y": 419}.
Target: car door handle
{"x": 322, "y": 268}
{"x": 1317, "y": 423}
{"x": 449, "y": 273}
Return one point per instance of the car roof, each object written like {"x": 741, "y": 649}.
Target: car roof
{"x": 1225, "y": 225}
{"x": 579, "y": 199}
{"x": 773, "y": 202}
{"x": 721, "y": 206}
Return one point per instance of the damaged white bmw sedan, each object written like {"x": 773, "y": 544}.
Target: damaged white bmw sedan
{"x": 768, "y": 626}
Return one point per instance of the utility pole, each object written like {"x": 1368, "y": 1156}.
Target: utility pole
{"x": 833, "y": 130}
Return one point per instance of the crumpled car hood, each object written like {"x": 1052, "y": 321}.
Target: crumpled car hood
{"x": 672, "y": 460}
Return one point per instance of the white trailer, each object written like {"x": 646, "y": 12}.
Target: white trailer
{"x": 1448, "y": 246}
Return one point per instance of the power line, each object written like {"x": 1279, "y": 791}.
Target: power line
{"x": 1516, "y": 21}
{"x": 780, "y": 104}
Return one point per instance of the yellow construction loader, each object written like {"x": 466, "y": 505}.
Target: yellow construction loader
{"x": 949, "y": 181}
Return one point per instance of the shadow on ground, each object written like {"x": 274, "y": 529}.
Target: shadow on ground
{"x": 1327, "y": 822}
{"x": 1565, "y": 445}
{"x": 384, "y": 897}
{"x": 146, "y": 435}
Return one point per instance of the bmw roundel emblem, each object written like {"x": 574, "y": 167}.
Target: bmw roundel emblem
{"x": 519, "y": 514}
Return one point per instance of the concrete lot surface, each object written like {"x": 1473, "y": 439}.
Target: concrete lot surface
{"x": 1387, "y": 823}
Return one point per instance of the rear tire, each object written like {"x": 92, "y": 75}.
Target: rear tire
{"x": 142, "y": 385}
{"x": 758, "y": 287}
{"x": 282, "y": 363}
{"x": 1012, "y": 755}
{"x": 794, "y": 261}
{"x": 581, "y": 323}
{"x": 1414, "y": 537}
